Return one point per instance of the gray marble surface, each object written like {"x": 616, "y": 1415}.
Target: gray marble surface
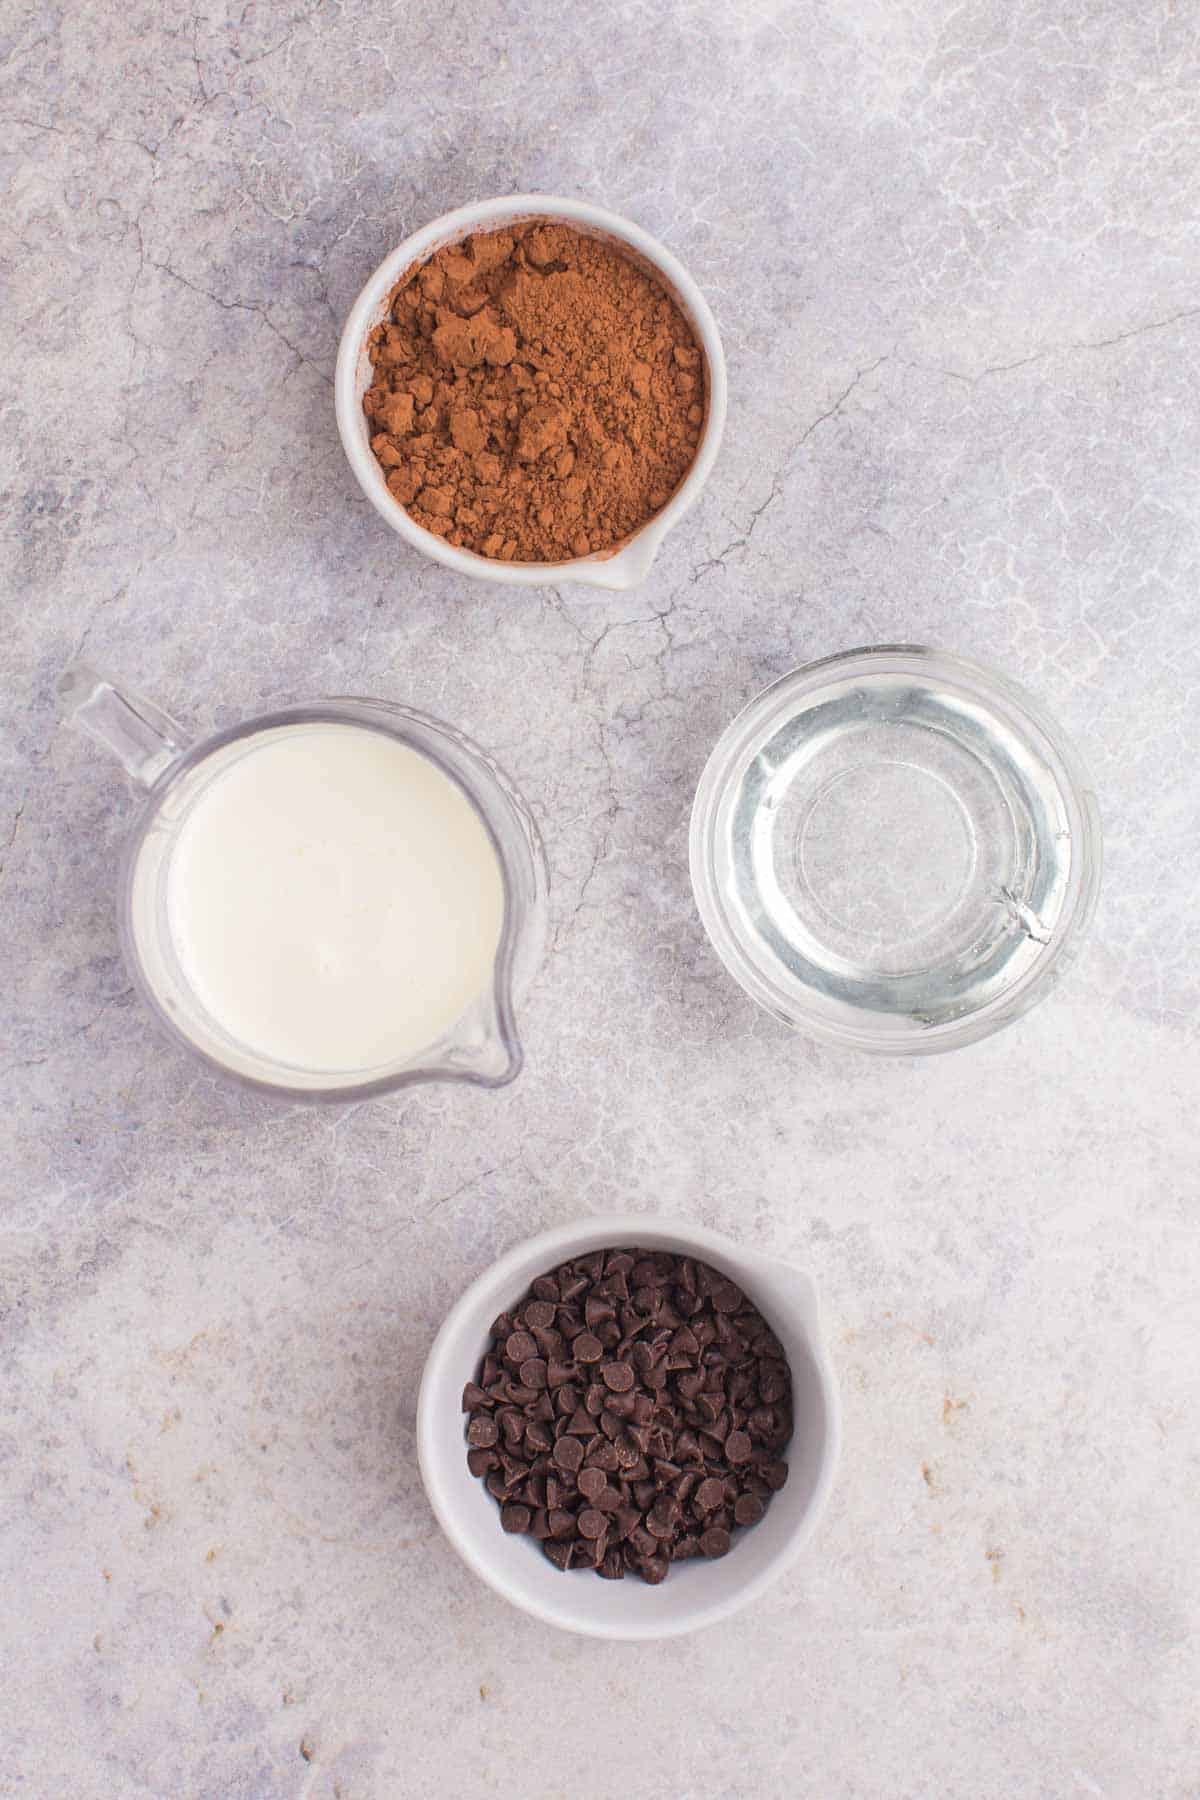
{"x": 953, "y": 250}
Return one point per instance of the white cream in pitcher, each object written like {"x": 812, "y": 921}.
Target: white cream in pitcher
{"x": 334, "y": 900}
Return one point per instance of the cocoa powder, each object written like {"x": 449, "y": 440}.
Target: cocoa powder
{"x": 536, "y": 395}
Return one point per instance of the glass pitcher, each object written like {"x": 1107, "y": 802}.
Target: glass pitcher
{"x": 482, "y": 1047}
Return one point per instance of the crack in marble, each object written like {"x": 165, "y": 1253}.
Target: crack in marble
{"x": 421, "y": 1218}
{"x": 1036, "y": 356}
{"x": 42, "y": 1056}
{"x": 12, "y": 836}
{"x": 700, "y": 570}
{"x": 248, "y": 306}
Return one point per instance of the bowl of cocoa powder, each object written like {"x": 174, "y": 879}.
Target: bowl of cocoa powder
{"x": 532, "y": 390}
{"x": 629, "y": 1426}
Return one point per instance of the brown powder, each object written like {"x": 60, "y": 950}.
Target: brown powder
{"x": 536, "y": 395}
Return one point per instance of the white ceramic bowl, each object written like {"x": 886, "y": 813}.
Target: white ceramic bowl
{"x": 697, "y": 1592}
{"x": 630, "y": 562}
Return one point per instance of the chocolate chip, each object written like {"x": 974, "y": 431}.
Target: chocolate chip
{"x": 590, "y": 1522}
{"x": 709, "y": 1494}
{"x": 775, "y": 1474}
{"x": 591, "y": 1483}
{"x": 482, "y": 1433}
{"x": 516, "y": 1518}
{"x": 613, "y": 1567}
{"x": 738, "y": 1447}
{"x": 568, "y": 1454}
{"x": 748, "y": 1509}
{"x": 559, "y": 1554}
{"x": 587, "y": 1348}
{"x": 562, "y": 1522}
{"x": 654, "y": 1569}
{"x": 618, "y": 1376}
{"x": 715, "y": 1541}
{"x": 482, "y": 1462}
{"x": 539, "y": 1314}
{"x": 533, "y": 1373}
{"x": 518, "y": 1346}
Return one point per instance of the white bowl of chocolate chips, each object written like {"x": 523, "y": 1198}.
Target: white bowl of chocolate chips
{"x": 629, "y": 1426}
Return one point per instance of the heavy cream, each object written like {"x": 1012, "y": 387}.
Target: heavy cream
{"x": 334, "y": 900}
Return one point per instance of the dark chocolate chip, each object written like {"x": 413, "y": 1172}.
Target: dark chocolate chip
{"x": 568, "y": 1454}
{"x": 516, "y": 1518}
{"x": 587, "y": 1348}
{"x": 715, "y": 1541}
{"x": 748, "y": 1509}
{"x": 623, "y": 1521}
{"x": 654, "y": 1569}
{"x": 533, "y": 1373}
{"x": 709, "y": 1495}
{"x": 591, "y": 1482}
{"x": 643, "y": 1542}
{"x": 482, "y": 1433}
{"x": 618, "y": 1376}
{"x": 518, "y": 1346}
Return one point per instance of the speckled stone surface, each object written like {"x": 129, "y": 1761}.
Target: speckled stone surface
{"x": 953, "y": 250}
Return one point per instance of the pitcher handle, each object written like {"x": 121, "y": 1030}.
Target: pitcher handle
{"x": 143, "y": 738}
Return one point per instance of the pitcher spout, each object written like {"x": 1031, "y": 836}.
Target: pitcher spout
{"x": 485, "y": 1048}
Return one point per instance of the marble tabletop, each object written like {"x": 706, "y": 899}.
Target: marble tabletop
{"x": 953, "y": 250}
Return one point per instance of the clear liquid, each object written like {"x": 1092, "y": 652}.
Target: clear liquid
{"x": 895, "y": 849}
